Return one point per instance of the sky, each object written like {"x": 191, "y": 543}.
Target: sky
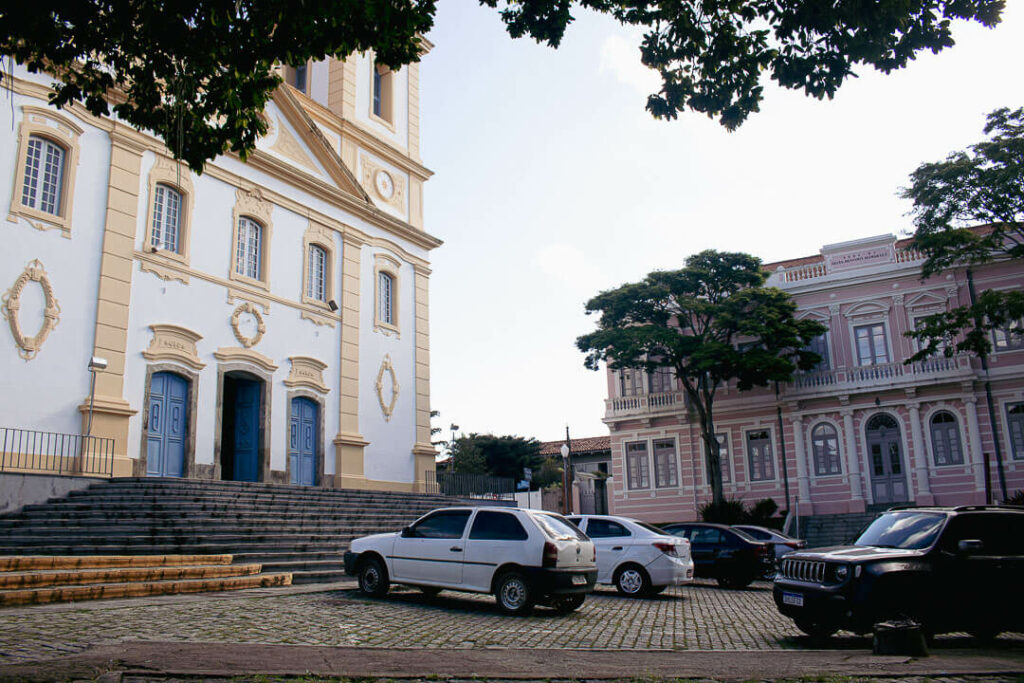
{"x": 552, "y": 183}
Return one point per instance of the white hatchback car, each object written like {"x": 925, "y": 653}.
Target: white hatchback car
{"x": 523, "y": 557}
{"x": 637, "y": 558}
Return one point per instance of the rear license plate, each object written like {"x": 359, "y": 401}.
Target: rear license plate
{"x": 795, "y": 599}
{"x": 579, "y": 580}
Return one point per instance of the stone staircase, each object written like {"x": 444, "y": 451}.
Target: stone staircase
{"x": 826, "y": 530}
{"x": 37, "y": 580}
{"x": 286, "y": 529}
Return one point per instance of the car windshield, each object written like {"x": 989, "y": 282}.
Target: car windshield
{"x": 557, "y": 526}
{"x": 906, "y": 530}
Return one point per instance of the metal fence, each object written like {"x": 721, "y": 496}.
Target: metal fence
{"x": 29, "y": 450}
{"x": 462, "y": 485}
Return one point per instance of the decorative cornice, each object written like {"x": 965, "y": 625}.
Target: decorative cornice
{"x": 307, "y": 372}
{"x": 174, "y": 343}
{"x": 236, "y": 355}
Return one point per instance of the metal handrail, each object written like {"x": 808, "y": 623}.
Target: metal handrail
{"x": 35, "y": 451}
{"x": 463, "y": 485}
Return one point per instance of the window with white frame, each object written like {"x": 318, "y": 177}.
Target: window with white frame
{"x": 631, "y": 382}
{"x": 382, "y": 105}
{"x": 316, "y": 273}
{"x": 872, "y": 347}
{"x": 825, "y": 447}
{"x": 1015, "y": 425}
{"x": 940, "y": 348}
{"x": 759, "y": 455}
{"x": 665, "y": 471}
{"x": 723, "y": 458}
{"x": 249, "y": 251}
{"x": 44, "y": 175}
{"x": 386, "y": 298}
{"x": 946, "y": 439}
{"x": 638, "y": 474}
{"x": 819, "y": 345}
{"x": 1010, "y": 337}
{"x": 663, "y": 381}
{"x": 165, "y": 232}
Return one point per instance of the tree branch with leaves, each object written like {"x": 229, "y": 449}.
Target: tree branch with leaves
{"x": 712, "y": 322}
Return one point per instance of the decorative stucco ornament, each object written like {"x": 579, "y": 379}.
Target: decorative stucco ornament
{"x": 28, "y": 347}
{"x": 236, "y": 324}
{"x": 387, "y": 407}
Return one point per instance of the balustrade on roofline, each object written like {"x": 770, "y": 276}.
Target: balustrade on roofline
{"x": 812, "y": 271}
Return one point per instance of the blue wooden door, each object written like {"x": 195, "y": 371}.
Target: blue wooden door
{"x": 247, "y": 430}
{"x": 302, "y": 441}
{"x": 167, "y": 419}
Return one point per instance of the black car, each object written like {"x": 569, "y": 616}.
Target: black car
{"x": 728, "y": 555}
{"x": 946, "y": 568}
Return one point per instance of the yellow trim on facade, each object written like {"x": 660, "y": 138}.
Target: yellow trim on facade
{"x": 321, "y": 236}
{"x": 178, "y": 176}
{"x": 235, "y": 355}
{"x": 174, "y": 343}
{"x": 250, "y": 203}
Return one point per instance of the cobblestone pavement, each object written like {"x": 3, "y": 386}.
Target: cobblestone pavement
{"x": 822, "y": 679}
{"x": 697, "y": 617}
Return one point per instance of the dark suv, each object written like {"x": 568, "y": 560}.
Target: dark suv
{"x": 947, "y": 568}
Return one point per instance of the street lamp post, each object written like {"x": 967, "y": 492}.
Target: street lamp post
{"x": 451, "y": 445}
{"x": 566, "y": 483}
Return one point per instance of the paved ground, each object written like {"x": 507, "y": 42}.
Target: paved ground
{"x": 334, "y": 630}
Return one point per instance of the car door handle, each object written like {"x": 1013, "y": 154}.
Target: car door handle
{"x": 618, "y": 547}
{"x": 455, "y": 549}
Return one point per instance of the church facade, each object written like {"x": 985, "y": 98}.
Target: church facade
{"x": 264, "y": 321}
{"x": 863, "y": 428}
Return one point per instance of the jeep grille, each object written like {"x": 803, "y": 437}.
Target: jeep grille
{"x": 804, "y": 570}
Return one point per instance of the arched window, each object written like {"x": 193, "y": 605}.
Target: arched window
{"x": 385, "y": 298}
{"x": 825, "y": 444}
{"x": 248, "y": 255}
{"x": 316, "y": 273}
{"x": 166, "y": 229}
{"x": 44, "y": 175}
{"x": 946, "y": 439}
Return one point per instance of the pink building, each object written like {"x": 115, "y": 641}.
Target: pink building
{"x": 862, "y": 429}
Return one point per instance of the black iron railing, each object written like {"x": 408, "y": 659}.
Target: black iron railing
{"x": 462, "y": 485}
{"x": 30, "y": 450}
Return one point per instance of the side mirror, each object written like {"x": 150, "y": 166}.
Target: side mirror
{"x": 970, "y": 546}
{"x": 407, "y": 532}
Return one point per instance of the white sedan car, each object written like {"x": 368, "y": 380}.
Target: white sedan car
{"x": 637, "y": 558}
{"x": 523, "y": 557}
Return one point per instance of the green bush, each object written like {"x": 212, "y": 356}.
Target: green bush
{"x": 1015, "y": 499}
{"x": 733, "y": 511}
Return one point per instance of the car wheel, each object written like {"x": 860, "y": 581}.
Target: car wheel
{"x": 632, "y": 580}
{"x": 564, "y": 604}
{"x": 734, "y": 582}
{"x": 817, "y": 630}
{"x": 513, "y": 594}
{"x": 373, "y": 578}
{"x": 429, "y": 591}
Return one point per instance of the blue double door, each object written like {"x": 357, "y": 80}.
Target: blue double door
{"x": 166, "y": 425}
{"x": 242, "y": 438}
{"x": 302, "y": 441}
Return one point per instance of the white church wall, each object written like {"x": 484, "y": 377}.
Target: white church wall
{"x": 44, "y": 393}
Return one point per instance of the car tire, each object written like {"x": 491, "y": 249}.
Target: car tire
{"x": 513, "y": 593}
{"x": 816, "y": 630}
{"x": 564, "y": 604}
{"x": 373, "y": 578}
{"x": 632, "y": 580}
{"x": 429, "y": 591}
{"x": 734, "y": 582}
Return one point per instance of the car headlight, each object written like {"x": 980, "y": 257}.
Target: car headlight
{"x": 841, "y": 572}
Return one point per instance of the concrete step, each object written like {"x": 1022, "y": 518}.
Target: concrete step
{"x": 49, "y": 562}
{"x": 69, "y": 577}
{"x": 35, "y": 596}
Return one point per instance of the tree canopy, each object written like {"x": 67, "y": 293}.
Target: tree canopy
{"x": 968, "y": 210}
{"x": 497, "y": 456}
{"x": 712, "y": 322}
{"x": 198, "y": 73}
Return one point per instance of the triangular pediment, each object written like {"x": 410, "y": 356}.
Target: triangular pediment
{"x": 295, "y": 139}
{"x": 927, "y": 299}
{"x": 817, "y": 314}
